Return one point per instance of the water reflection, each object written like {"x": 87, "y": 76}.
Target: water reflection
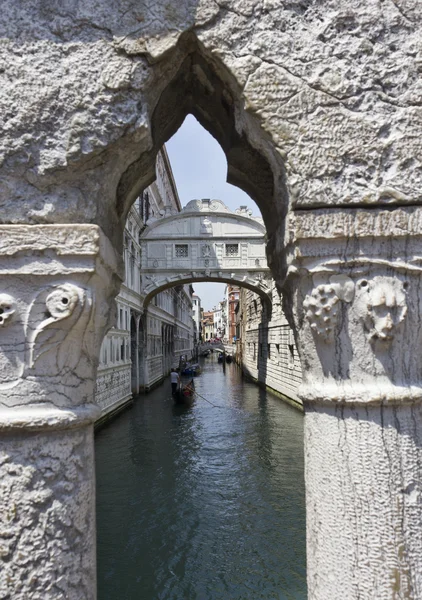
{"x": 202, "y": 503}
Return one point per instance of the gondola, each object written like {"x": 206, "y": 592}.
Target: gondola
{"x": 228, "y": 358}
{"x": 185, "y": 393}
{"x": 190, "y": 369}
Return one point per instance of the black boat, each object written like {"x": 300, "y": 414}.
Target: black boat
{"x": 185, "y": 393}
{"x": 229, "y": 358}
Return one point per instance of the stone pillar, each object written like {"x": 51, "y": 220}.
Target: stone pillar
{"x": 57, "y": 286}
{"x": 134, "y": 352}
{"x": 356, "y": 291}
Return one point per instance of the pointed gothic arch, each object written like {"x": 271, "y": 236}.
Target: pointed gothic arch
{"x": 76, "y": 158}
{"x": 198, "y": 83}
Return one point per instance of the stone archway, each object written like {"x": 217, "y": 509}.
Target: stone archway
{"x": 89, "y": 102}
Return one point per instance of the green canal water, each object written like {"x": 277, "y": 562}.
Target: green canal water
{"x": 202, "y": 503}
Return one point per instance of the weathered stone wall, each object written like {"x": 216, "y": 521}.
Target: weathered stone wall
{"x": 266, "y": 350}
{"x": 326, "y": 94}
{"x": 318, "y": 107}
{"x": 113, "y": 387}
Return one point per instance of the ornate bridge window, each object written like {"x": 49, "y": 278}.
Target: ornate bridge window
{"x": 181, "y": 250}
{"x": 232, "y": 249}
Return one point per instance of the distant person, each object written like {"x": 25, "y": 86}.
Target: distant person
{"x": 175, "y": 380}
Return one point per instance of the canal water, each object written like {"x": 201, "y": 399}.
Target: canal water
{"x": 202, "y": 503}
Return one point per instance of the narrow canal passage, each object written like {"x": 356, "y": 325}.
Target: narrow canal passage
{"x": 202, "y": 503}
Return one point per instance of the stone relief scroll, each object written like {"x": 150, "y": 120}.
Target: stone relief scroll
{"x": 56, "y": 324}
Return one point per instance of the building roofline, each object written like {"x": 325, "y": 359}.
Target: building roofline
{"x": 166, "y": 159}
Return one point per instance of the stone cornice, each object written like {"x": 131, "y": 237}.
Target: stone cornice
{"x": 41, "y": 417}
{"x": 338, "y": 223}
{"x": 56, "y": 249}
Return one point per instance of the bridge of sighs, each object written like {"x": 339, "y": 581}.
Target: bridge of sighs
{"x": 205, "y": 242}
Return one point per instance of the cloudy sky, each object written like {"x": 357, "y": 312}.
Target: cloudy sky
{"x": 200, "y": 169}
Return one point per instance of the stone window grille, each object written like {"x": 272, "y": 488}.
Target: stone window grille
{"x": 181, "y": 250}
{"x": 232, "y": 249}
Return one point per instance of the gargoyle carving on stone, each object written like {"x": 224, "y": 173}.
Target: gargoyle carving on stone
{"x": 383, "y": 307}
{"x": 322, "y": 305}
{"x": 7, "y": 309}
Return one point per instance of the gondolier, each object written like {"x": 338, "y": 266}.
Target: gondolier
{"x": 175, "y": 381}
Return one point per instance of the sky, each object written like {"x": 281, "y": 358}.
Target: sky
{"x": 200, "y": 170}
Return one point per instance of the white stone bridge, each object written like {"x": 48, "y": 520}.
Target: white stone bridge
{"x": 205, "y": 242}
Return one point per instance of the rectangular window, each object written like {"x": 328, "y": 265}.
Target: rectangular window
{"x": 181, "y": 250}
{"x": 232, "y": 249}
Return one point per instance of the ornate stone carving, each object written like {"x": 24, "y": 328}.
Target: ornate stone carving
{"x": 321, "y": 305}
{"x": 50, "y": 307}
{"x": 321, "y": 311}
{"x": 244, "y": 211}
{"x": 206, "y": 226}
{"x": 7, "y": 309}
{"x": 206, "y": 251}
{"x": 383, "y": 307}
{"x": 152, "y": 280}
{"x": 216, "y": 205}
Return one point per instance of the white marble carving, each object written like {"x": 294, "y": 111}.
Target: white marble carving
{"x": 383, "y": 306}
{"x": 321, "y": 311}
{"x": 7, "y": 309}
{"x": 210, "y": 254}
{"x": 66, "y": 302}
{"x": 326, "y": 96}
{"x": 206, "y": 226}
{"x": 205, "y": 206}
{"x": 206, "y": 251}
{"x": 322, "y": 304}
